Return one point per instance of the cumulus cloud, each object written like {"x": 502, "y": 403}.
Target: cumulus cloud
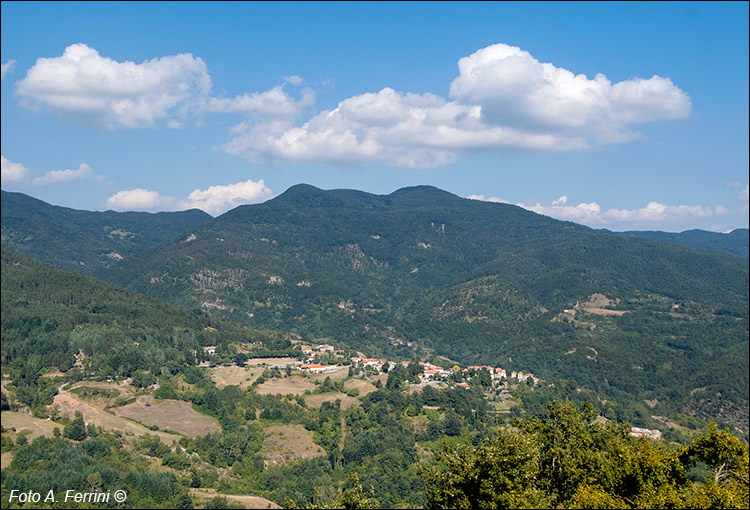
{"x": 488, "y": 199}
{"x": 12, "y": 172}
{"x": 406, "y": 130}
{"x": 652, "y": 215}
{"x": 104, "y": 92}
{"x": 513, "y": 88}
{"x": 6, "y": 67}
{"x": 745, "y": 193}
{"x": 218, "y": 199}
{"x": 503, "y": 99}
{"x": 273, "y": 103}
{"x": 83, "y": 171}
{"x": 138, "y": 200}
{"x": 214, "y": 200}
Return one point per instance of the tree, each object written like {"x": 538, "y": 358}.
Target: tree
{"x": 76, "y": 429}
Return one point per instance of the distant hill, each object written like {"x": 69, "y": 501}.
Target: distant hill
{"x": 422, "y": 273}
{"x": 736, "y": 242}
{"x": 83, "y": 241}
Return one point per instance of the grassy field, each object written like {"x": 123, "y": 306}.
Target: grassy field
{"x": 23, "y": 421}
{"x": 245, "y": 501}
{"x": 285, "y": 386}
{"x": 315, "y": 401}
{"x": 284, "y": 444}
{"x": 69, "y": 403}
{"x": 363, "y": 386}
{"x": 174, "y": 415}
{"x": 236, "y": 376}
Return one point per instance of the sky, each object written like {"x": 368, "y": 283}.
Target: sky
{"x": 625, "y": 116}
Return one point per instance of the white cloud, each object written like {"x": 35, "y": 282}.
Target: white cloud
{"x": 652, "y": 216}
{"x": 83, "y": 171}
{"x": 504, "y": 99}
{"x": 12, "y": 172}
{"x": 515, "y": 89}
{"x": 294, "y": 79}
{"x": 218, "y": 199}
{"x": 406, "y": 130}
{"x": 273, "y": 103}
{"x": 6, "y": 67}
{"x": 101, "y": 91}
{"x": 138, "y": 200}
{"x": 213, "y": 200}
{"x": 745, "y": 193}
{"x": 488, "y": 199}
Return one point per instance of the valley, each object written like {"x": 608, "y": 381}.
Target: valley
{"x": 307, "y": 349}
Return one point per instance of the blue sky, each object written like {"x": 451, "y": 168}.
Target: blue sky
{"x": 615, "y": 115}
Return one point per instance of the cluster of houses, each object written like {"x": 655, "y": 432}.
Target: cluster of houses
{"x": 429, "y": 371}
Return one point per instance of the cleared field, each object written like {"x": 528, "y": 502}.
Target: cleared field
{"x": 262, "y": 362}
{"x": 287, "y": 443}
{"x": 246, "y": 501}
{"x": 605, "y": 311}
{"x": 285, "y": 386}
{"x": 363, "y": 386}
{"x": 315, "y": 401}
{"x": 68, "y": 404}
{"x": 169, "y": 414}
{"x": 337, "y": 374}
{"x": 5, "y": 460}
{"x": 236, "y": 376}
{"x": 23, "y": 421}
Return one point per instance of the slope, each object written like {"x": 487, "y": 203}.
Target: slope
{"x": 82, "y": 241}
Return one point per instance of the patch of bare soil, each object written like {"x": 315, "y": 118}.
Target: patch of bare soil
{"x": 169, "y": 414}
{"x": 284, "y": 444}
{"x": 245, "y": 501}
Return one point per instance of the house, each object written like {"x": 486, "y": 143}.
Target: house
{"x": 314, "y": 368}
{"x": 210, "y": 350}
{"x": 639, "y": 432}
{"x": 325, "y": 348}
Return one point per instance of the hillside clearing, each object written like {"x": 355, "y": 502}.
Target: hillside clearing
{"x": 285, "y": 444}
{"x": 174, "y": 415}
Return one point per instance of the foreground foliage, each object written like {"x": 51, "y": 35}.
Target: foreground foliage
{"x": 568, "y": 459}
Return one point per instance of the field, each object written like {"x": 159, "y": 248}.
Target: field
{"x": 285, "y": 386}
{"x": 23, "y": 421}
{"x": 315, "y": 401}
{"x": 244, "y": 501}
{"x": 262, "y": 362}
{"x": 284, "y": 444}
{"x": 236, "y": 376}
{"x": 69, "y": 403}
{"x": 174, "y": 415}
{"x": 337, "y": 374}
{"x": 363, "y": 386}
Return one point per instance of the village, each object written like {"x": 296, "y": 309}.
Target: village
{"x": 326, "y": 358}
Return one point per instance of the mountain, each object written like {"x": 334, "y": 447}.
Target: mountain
{"x": 736, "y": 242}
{"x": 422, "y": 272}
{"x": 83, "y": 241}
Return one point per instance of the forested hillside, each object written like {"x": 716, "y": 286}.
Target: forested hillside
{"x": 736, "y": 242}
{"x": 473, "y": 281}
{"x": 83, "y": 241}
